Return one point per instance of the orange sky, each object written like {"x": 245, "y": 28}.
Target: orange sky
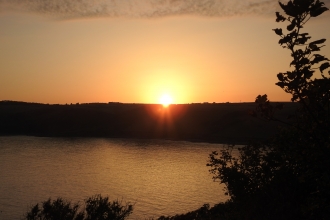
{"x": 67, "y": 56}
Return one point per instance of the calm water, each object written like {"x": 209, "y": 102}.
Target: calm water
{"x": 160, "y": 177}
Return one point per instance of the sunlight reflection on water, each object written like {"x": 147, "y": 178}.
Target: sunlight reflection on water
{"x": 160, "y": 177}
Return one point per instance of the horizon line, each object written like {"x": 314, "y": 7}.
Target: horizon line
{"x": 132, "y": 103}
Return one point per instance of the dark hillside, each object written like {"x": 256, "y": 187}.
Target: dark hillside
{"x": 227, "y": 122}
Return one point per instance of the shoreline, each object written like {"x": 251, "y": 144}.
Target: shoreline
{"x": 214, "y": 141}
{"x": 226, "y": 123}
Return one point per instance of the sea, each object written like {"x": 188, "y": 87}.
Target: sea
{"x": 159, "y": 177}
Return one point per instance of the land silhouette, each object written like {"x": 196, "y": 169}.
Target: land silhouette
{"x": 208, "y": 122}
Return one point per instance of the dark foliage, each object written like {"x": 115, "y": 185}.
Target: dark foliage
{"x": 288, "y": 177}
{"x": 219, "y": 211}
{"x": 55, "y": 209}
{"x": 96, "y": 208}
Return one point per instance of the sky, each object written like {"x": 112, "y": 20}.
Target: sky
{"x": 136, "y": 51}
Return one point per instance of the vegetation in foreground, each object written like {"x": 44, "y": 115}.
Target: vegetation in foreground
{"x": 95, "y": 208}
{"x": 286, "y": 178}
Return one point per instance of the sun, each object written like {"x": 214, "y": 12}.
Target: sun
{"x": 165, "y": 100}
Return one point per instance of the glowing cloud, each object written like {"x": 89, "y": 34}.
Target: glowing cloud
{"x": 141, "y": 8}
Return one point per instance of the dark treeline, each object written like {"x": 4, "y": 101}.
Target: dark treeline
{"x": 218, "y": 122}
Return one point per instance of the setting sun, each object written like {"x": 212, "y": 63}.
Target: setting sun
{"x": 165, "y": 100}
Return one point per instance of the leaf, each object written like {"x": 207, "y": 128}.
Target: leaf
{"x": 279, "y": 17}
{"x": 318, "y": 58}
{"x": 289, "y": 9}
{"x": 282, "y": 6}
{"x": 284, "y": 40}
{"x": 324, "y": 66}
{"x": 280, "y": 84}
{"x": 280, "y": 76}
{"x": 317, "y": 42}
{"x": 313, "y": 47}
{"x": 304, "y": 5}
{"x": 302, "y": 39}
{"x": 318, "y": 11}
{"x": 291, "y": 26}
{"x": 278, "y": 31}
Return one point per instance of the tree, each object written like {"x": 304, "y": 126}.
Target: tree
{"x": 55, "y": 209}
{"x": 288, "y": 177}
{"x": 96, "y": 208}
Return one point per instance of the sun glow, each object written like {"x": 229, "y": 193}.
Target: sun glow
{"x": 165, "y": 100}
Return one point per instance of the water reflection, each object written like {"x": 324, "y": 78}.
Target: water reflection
{"x": 161, "y": 177}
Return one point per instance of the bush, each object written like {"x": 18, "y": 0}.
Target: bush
{"x": 100, "y": 208}
{"x": 96, "y": 208}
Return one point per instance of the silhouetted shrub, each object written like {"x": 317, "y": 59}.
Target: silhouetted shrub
{"x": 55, "y": 209}
{"x": 221, "y": 211}
{"x": 98, "y": 207}
{"x": 95, "y": 208}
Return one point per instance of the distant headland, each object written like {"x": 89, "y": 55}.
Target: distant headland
{"x": 205, "y": 122}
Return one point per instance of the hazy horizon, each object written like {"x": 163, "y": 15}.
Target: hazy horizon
{"x": 137, "y": 103}
{"x": 138, "y": 51}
